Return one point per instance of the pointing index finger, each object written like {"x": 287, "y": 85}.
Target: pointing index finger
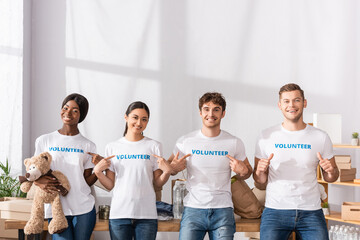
{"x": 187, "y": 155}
{"x": 231, "y": 157}
{"x": 109, "y": 157}
{"x": 156, "y": 156}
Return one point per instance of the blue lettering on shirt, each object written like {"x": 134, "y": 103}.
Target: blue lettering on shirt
{"x": 209, "y": 153}
{"x": 133, "y": 156}
{"x": 65, "y": 149}
{"x": 296, "y": 146}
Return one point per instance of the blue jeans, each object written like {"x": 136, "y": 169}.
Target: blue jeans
{"x": 127, "y": 229}
{"x": 80, "y": 227}
{"x": 277, "y": 224}
{"x": 218, "y": 222}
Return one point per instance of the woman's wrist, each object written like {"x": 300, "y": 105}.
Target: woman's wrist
{"x": 97, "y": 172}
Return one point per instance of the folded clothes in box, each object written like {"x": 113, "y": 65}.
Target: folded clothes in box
{"x": 15, "y": 208}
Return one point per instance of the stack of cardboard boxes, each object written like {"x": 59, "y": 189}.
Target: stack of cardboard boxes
{"x": 349, "y": 210}
{"x": 346, "y": 172}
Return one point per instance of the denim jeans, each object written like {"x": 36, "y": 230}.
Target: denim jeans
{"x": 80, "y": 227}
{"x": 218, "y": 222}
{"x": 277, "y": 224}
{"x": 128, "y": 229}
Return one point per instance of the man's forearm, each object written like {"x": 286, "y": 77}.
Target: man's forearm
{"x": 261, "y": 178}
{"x": 246, "y": 175}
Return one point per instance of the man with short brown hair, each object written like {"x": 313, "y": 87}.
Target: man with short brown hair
{"x": 286, "y": 159}
{"x": 213, "y": 154}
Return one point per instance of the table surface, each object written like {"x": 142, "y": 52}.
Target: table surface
{"x": 242, "y": 225}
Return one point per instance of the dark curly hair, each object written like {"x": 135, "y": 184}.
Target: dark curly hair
{"x": 214, "y": 97}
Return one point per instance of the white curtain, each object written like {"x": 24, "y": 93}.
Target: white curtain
{"x": 11, "y": 75}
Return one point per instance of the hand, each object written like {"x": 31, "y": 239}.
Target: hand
{"x": 163, "y": 164}
{"x": 238, "y": 166}
{"x": 179, "y": 164}
{"x": 325, "y": 164}
{"x": 263, "y": 164}
{"x": 103, "y": 164}
{"x": 96, "y": 158}
{"x": 48, "y": 184}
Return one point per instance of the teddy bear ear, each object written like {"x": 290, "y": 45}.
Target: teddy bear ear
{"x": 46, "y": 156}
{"x": 26, "y": 160}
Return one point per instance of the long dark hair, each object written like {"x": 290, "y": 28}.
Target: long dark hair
{"x": 135, "y": 105}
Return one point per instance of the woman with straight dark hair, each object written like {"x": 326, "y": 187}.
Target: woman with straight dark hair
{"x": 134, "y": 166}
{"x": 68, "y": 149}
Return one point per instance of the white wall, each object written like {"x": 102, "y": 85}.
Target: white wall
{"x": 168, "y": 53}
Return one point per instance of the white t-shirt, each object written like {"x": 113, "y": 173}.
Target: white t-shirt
{"x": 133, "y": 165}
{"x": 69, "y": 156}
{"x": 292, "y": 182}
{"x": 208, "y": 168}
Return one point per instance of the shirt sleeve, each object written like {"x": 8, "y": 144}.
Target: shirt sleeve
{"x": 108, "y": 154}
{"x": 259, "y": 148}
{"x": 240, "y": 150}
{"x": 328, "y": 151}
{"x": 179, "y": 147}
{"x": 88, "y": 163}
{"x": 157, "y": 151}
{"x": 38, "y": 146}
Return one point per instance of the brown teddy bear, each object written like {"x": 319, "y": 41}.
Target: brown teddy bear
{"x": 36, "y": 167}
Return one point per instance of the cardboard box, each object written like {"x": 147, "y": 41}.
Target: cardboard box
{"x": 8, "y": 234}
{"x": 346, "y": 175}
{"x": 343, "y": 165}
{"x": 350, "y": 211}
{"x": 15, "y": 208}
{"x": 12, "y": 233}
{"x": 357, "y": 180}
{"x": 351, "y": 171}
{"x": 14, "y": 215}
{"x": 346, "y": 178}
{"x": 342, "y": 159}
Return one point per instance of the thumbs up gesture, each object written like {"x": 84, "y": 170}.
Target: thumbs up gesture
{"x": 325, "y": 164}
{"x": 263, "y": 164}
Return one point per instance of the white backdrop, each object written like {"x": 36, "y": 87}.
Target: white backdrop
{"x": 167, "y": 53}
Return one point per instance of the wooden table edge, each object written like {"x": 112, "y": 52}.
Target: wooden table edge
{"x": 242, "y": 225}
